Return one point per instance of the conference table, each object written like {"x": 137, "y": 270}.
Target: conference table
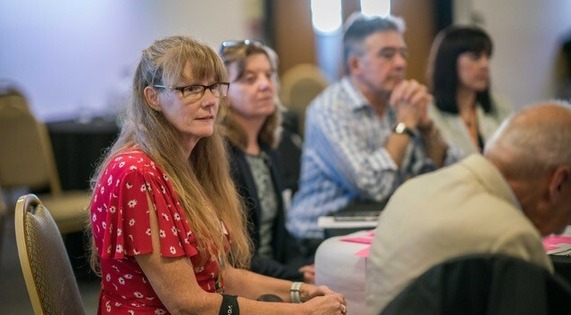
{"x": 341, "y": 262}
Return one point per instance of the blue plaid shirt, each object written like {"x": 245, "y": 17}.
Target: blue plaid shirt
{"x": 344, "y": 158}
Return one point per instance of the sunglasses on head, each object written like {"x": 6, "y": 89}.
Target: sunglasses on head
{"x": 238, "y": 43}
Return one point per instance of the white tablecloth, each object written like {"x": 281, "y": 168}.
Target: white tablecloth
{"x": 338, "y": 266}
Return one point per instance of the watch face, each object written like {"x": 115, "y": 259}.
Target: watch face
{"x": 402, "y": 129}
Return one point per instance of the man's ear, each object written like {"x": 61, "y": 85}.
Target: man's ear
{"x": 354, "y": 64}
{"x": 559, "y": 182}
{"x": 152, "y": 98}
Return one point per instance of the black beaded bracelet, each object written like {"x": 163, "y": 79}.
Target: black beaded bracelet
{"x": 229, "y": 305}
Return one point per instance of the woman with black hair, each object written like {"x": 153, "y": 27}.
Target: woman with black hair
{"x": 466, "y": 113}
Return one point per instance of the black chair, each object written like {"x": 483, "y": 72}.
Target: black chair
{"x": 484, "y": 284}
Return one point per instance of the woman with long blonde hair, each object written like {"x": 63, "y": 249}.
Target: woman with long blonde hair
{"x": 168, "y": 227}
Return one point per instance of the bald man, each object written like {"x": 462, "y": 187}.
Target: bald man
{"x": 502, "y": 202}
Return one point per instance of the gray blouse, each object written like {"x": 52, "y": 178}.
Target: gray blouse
{"x": 268, "y": 200}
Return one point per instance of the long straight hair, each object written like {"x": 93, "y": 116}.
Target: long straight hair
{"x": 202, "y": 182}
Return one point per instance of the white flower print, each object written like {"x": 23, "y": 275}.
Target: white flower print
{"x": 119, "y": 232}
{"x": 199, "y": 269}
{"x": 162, "y": 234}
{"x": 160, "y": 311}
{"x": 112, "y": 209}
{"x": 128, "y": 276}
{"x": 131, "y": 312}
{"x": 150, "y": 298}
{"x": 119, "y": 248}
{"x": 109, "y": 180}
{"x": 108, "y": 277}
{"x": 165, "y": 216}
{"x": 102, "y": 190}
{"x": 121, "y": 281}
{"x": 153, "y": 165}
{"x": 143, "y": 187}
{"x": 133, "y": 167}
{"x": 117, "y": 304}
{"x": 129, "y": 185}
{"x": 148, "y": 232}
{"x": 132, "y": 203}
{"x": 122, "y": 164}
{"x": 163, "y": 190}
{"x": 131, "y": 222}
{"x": 136, "y": 252}
{"x": 130, "y": 236}
{"x": 173, "y": 230}
{"x": 165, "y": 177}
{"x": 104, "y": 225}
{"x": 177, "y": 217}
{"x": 99, "y": 209}
{"x": 138, "y": 295}
{"x": 94, "y": 218}
{"x": 172, "y": 250}
{"x": 108, "y": 307}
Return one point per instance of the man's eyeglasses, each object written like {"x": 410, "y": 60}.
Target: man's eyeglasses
{"x": 238, "y": 43}
{"x": 195, "y": 92}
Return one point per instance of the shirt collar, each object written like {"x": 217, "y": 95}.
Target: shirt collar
{"x": 357, "y": 100}
{"x": 490, "y": 177}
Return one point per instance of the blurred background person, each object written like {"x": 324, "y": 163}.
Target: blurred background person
{"x": 252, "y": 126}
{"x": 465, "y": 111}
{"x": 365, "y": 134}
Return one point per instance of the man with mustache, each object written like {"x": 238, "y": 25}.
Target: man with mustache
{"x": 366, "y": 133}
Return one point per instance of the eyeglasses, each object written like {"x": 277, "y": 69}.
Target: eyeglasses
{"x": 196, "y": 91}
{"x": 238, "y": 43}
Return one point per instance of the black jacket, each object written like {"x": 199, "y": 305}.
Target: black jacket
{"x": 244, "y": 181}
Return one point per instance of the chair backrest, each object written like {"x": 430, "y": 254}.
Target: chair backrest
{"x": 489, "y": 284}
{"x": 49, "y": 278}
{"x": 299, "y": 86}
{"x": 26, "y": 159}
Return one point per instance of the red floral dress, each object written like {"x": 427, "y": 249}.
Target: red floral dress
{"x": 121, "y": 230}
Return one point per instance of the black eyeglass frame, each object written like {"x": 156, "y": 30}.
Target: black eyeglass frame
{"x": 213, "y": 87}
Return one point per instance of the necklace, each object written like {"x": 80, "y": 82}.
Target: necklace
{"x": 471, "y": 121}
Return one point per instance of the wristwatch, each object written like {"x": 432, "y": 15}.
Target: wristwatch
{"x": 402, "y": 129}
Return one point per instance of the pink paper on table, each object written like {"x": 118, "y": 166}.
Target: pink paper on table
{"x": 364, "y": 252}
{"x": 553, "y": 241}
{"x": 358, "y": 239}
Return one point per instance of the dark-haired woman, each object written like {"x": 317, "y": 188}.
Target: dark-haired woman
{"x": 465, "y": 111}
